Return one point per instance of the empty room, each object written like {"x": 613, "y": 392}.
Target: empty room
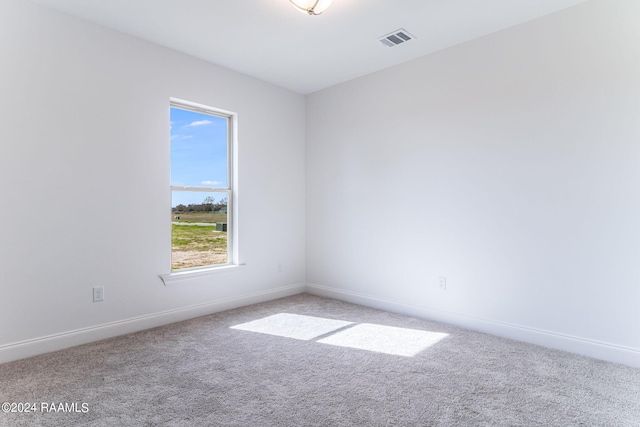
{"x": 320, "y": 213}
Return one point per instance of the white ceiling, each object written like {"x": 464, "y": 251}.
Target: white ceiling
{"x": 270, "y": 40}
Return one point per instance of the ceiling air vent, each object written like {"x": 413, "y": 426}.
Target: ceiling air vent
{"x": 395, "y": 38}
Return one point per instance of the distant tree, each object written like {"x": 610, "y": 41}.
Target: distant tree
{"x": 222, "y": 204}
{"x": 207, "y": 204}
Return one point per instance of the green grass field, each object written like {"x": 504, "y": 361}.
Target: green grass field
{"x": 199, "y": 238}
{"x": 197, "y": 245}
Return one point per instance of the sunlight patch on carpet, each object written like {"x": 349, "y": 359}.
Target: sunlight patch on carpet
{"x": 385, "y": 339}
{"x": 293, "y": 326}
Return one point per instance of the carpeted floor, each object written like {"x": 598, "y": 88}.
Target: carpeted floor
{"x": 247, "y": 367}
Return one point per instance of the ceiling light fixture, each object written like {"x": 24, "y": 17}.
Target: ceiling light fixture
{"x": 311, "y": 7}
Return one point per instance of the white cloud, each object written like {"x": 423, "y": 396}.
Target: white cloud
{"x": 200, "y": 123}
{"x": 181, "y": 137}
{"x": 210, "y": 182}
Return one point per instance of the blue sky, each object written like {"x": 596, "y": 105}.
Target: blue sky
{"x": 198, "y": 154}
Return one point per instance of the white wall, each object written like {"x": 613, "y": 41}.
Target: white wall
{"x": 84, "y": 137}
{"x": 510, "y": 165}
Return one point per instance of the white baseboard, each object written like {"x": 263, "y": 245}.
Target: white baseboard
{"x": 586, "y": 347}
{"x": 33, "y": 347}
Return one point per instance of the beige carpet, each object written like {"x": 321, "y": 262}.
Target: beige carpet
{"x": 310, "y": 361}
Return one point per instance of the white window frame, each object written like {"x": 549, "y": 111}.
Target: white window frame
{"x": 230, "y": 192}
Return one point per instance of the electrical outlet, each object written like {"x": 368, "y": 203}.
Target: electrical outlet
{"x": 98, "y": 293}
{"x": 279, "y": 267}
{"x": 442, "y": 282}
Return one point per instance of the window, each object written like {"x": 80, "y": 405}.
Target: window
{"x": 201, "y": 186}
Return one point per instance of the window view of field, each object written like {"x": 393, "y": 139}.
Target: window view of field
{"x": 200, "y": 184}
{"x": 199, "y": 234}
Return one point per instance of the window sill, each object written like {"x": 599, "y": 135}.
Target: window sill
{"x": 178, "y": 277}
